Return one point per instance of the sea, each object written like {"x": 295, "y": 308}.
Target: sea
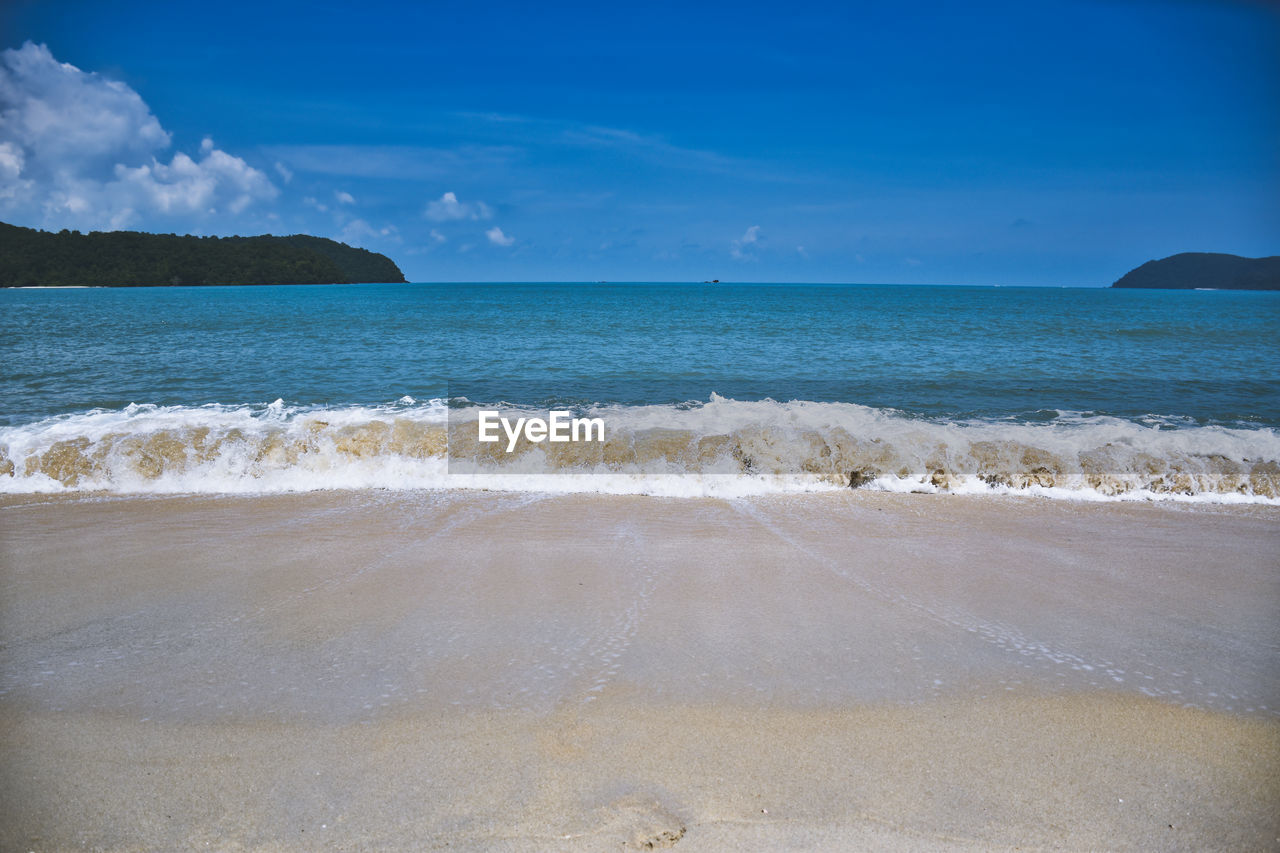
{"x": 704, "y": 389}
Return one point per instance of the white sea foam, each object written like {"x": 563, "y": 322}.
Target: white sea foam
{"x": 723, "y": 447}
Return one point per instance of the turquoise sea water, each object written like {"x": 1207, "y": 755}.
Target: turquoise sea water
{"x": 896, "y": 382}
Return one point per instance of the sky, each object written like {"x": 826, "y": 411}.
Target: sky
{"x": 1050, "y": 143}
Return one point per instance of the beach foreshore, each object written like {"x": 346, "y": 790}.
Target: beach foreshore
{"x": 473, "y": 670}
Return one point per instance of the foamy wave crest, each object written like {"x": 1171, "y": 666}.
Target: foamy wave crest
{"x": 228, "y": 449}
{"x": 722, "y": 447}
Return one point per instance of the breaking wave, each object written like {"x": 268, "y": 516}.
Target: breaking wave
{"x": 721, "y": 447}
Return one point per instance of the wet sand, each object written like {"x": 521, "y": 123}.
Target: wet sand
{"x": 491, "y": 671}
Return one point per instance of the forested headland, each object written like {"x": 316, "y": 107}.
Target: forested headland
{"x": 31, "y": 258}
{"x": 1205, "y": 271}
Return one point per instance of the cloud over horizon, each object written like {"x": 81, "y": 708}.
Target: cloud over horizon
{"x": 497, "y": 238}
{"x": 447, "y": 208}
{"x": 80, "y": 150}
{"x": 740, "y": 249}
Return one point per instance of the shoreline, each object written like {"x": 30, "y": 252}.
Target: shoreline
{"x": 220, "y": 284}
{"x": 828, "y": 496}
{"x": 512, "y": 671}
{"x": 716, "y": 487}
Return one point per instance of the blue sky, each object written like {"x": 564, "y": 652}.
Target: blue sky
{"x": 1055, "y": 143}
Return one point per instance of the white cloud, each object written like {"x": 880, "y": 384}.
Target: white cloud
{"x": 284, "y": 171}
{"x": 78, "y": 149}
{"x": 396, "y": 162}
{"x": 11, "y": 160}
{"x": 497, "y": 238}
{"x": 72, "y": 117}
{"x": 186, "y": 186}
{"x": 357, "y": 232}
{"x": 437, "y": 237}
{"x": 11, "y": 163}
{"x": 447, "y": 208}
{"x": 344, "y": 197}
{"x": 740, "y": 248}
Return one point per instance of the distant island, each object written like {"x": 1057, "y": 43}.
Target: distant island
{"x": 1207, "y": 271}
{"x": 31, "y": 258}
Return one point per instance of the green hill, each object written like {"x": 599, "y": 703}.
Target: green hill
{"x": 1210, "y": 270}
{"x": 31, "y": 258}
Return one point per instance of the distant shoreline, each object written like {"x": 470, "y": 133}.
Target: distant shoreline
{"x": 33, "y": 258}
{"x": 127, "y": 287}
{"x": 1204, "y": 271}
{"x": 721, "y": 286}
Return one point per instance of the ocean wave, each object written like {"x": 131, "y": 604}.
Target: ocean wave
{"x": 721, "y": 447}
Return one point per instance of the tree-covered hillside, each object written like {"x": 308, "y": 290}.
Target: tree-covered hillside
{"x": 129, "y": 258}
{"x": 1210, "y": 270}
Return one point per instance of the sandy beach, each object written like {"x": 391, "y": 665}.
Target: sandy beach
{"x": 419, "y": 670}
